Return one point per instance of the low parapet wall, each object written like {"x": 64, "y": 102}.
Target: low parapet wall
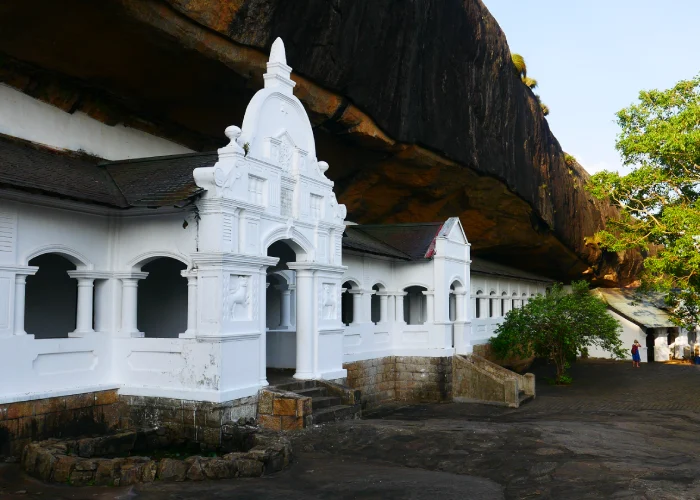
{"x": 475, "y": 379}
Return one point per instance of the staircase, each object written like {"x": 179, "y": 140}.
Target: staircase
{"x": 329, "y": 402}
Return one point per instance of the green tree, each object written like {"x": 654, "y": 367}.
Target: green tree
{"x": 659, "y": 200}
{"x": 558, "y": 326}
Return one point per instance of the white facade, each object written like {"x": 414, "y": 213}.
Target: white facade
{"x": 199, "y": 302}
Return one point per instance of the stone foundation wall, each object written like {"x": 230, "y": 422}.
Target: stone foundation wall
{"x": 409, "y": 379}
{"x": 27, "y": 421}
{"x": 212, "y": 424}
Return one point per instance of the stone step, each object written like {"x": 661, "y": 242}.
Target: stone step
{"x": 336, "y": 413}
{"x": 313, "y": 392}
{"x": 297, "y": 386}
{"x": 319, "y": 402}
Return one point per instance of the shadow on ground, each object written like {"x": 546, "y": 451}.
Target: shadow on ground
{"x": 618, "y": 432}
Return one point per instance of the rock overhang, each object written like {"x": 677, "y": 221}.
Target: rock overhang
{"x": 404, "y": 145}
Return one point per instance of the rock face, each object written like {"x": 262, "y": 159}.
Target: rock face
{"x": 415, "y": 103}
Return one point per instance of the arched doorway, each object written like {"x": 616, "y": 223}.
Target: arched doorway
{"x": 280, "y": 342}
{"x": 162, "y": 299}
{"x": 51, "y": 298}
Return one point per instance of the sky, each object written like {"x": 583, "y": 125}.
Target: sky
{"x": 592, "y": 57}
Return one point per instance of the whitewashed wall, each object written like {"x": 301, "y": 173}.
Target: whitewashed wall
{"x": 630, "y": 332}
{"x": 492, "y": 297}
{"x": 31, "y": 119}
{"x": 393, "y": 335}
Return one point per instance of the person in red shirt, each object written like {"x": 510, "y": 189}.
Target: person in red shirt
{"x": 635, "y": 354}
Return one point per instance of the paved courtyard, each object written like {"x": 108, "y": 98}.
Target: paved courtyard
{"x": 618, "y": 432}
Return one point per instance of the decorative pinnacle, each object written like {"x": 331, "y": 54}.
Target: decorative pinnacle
{"x": 277, "y": 53}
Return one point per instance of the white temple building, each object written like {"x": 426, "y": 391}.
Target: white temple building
{"x": 169, "y": 273}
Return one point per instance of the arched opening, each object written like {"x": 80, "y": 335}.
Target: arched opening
{"x": 281, "y": 340}
{"x": 452, "y": 307}
{"x": 524, "y": 300}
{"x": 274, "y": 302}
{"x": 514, "y": 299}
{"x": 504, "y": 303}
{"x": 161, "y": 310}
{"x": 492, "y": 305}
{"x": 376, "y": 307}
{"x": 347, "y": 309}
{"x": 477, "y": 304}
{"x": 415, "y": 305}
{"x": 51, "y": 298}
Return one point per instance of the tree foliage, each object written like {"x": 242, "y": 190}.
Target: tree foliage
{"x": 558, "y": 326}
{"x": 659, "y": 200}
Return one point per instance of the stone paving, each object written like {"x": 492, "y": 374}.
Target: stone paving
{"x": 618, "y": 432}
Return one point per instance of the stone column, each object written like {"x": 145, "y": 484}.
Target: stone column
{"x": 285, "y": 306}
{"x": 130, "y": 285}
{"x": 357, "y": 316}
{"x": 83, "y": 322}
{"x": 305, "y": 324}
{"x": 383, "y": 308}
{"x": 400, "y": 317}
{"x": 191, "y": 304}
{"x": 430, "y": 316}
{"x": 20, "y": 289}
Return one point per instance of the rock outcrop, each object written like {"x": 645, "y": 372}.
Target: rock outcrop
{"x": 415, "y": 103}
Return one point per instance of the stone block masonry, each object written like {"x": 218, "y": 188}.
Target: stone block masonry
{"x": 26, "y": 421}
{"x": 283, "y": 410}
{"x": 213, "y": 425}
{"x": 410, "y": 379}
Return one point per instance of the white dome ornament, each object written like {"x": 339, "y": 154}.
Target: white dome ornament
{"x": 322, "y": 167}
{"x": 234, "y": 134}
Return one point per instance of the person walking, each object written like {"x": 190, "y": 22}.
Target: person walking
{"x": 635, "y": 354}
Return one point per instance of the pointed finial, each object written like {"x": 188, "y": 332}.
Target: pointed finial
{"x": 277, "y": 53}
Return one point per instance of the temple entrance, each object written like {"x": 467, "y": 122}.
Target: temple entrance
{"x": 650, "y": 342}
{"x": 281, "y": 308}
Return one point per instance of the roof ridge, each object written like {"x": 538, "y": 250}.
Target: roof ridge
{"x": 156, "y": 158}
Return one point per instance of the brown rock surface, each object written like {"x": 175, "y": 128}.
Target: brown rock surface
{"x": 415, "y": 106}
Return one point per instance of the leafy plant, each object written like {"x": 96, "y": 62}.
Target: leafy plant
{"x": 519, "y": 64}
{"x": 558, "y": 326}
{"x": 246, "y": 149}
{"x": 530, "y": 82}
{"x": 569, "y": 160}
{"x": 659, "y": 201}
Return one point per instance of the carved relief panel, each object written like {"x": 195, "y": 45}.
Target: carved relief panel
{"x": 328, "y": 301}
{"x": 237, "y": 297}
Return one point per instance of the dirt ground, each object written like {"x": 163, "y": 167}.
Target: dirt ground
{"x": 618, "y": 432}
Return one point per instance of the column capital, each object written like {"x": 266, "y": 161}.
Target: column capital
{"x": 93, "y": 275}
{"x": 428, "y": 292}
{"x": 20, "y": 270}
{"x": 282, "y": 288}
{"x": 353, "y": 291}
{"x": 458, "y": 292}
{"x": 131, "y": 276}
{"x": 189, "y": 273}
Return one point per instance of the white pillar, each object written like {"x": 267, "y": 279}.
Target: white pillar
{"x": 305, "y": 324}
{"x": 191, "y": 304}
{"x": 357, "y": 313}
{"x": 130, "y": 285}
{"x": 400, "y": 316}
{"x": 460, "y": 309}
{"x": 20, "y": 289}
{"x": 83, "y": 322}
{"x": 383, "y": 308}
{"x": 285, "y": 306}
{"x": 391, "y": 309}
{"x": 430, "y": 316}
